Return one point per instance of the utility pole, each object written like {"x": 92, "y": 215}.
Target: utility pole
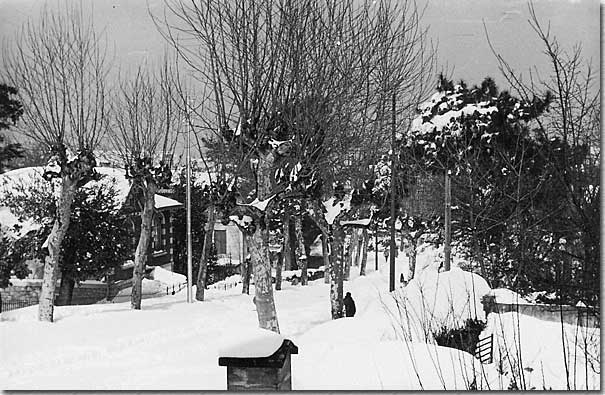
{"x": 376, "y": 246}
{"x": 448, "y": 222}
{"x": 392, "y": 246}
{"x": 189, "y": 246}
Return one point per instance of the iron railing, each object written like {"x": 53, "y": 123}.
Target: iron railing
{"x": 17, "y": 304}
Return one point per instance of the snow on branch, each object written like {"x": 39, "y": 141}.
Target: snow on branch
{"x": 335, "y": 208}
{"x": 259, "y": 204}
{"x": 277, "y": 143}
{"x": 358, "y": 222}
{"x": 243, "y": 222}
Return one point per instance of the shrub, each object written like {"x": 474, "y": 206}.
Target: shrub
{"x": 464, "y": 338}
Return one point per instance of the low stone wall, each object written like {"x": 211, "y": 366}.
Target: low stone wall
{"x": 573, "y": 315}
{"x": 30, "y": 290}
{"x": 84, "y": 293}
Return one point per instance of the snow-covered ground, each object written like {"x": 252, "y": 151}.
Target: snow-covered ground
{"x": 172, "y": 345}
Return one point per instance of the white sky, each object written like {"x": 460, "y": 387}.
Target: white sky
{"x": 457, "y": 27}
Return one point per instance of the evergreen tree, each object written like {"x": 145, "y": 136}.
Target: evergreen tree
{"x": 11, "y": 110}
{"x": 510, "y": 209}
{"x": 96, "y": 243}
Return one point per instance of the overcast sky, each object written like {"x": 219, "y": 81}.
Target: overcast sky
{"x": 457, "y": 26}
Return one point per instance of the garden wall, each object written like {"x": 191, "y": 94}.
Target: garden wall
{"x": 88, "y": 292}
{"x": 549, "y": 312}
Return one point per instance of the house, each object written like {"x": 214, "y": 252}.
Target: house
{"x": 228, "y": 239}
{"x": 229, "y": 243}
{"x": 161, "y": 246}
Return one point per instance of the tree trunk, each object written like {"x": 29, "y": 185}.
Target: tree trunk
{"x": 278, "y": 268}
{"x": 348, "y": 257}
{"x": 287, "y": 249}
{"x": 261, "y": 267}
{"x": 259, "y": 251}
{"x": 326, "y": 258}
{"x": 412, "y": 258}
{"x": 301, "y": 251}
{"x": 292, "y": 244}
{"x": 66, "y": 290}
{"x": 245, "y": 274}
{"x": 201, "y": 274}
{"x": 336, "y": 272}
{"x": 355, "y": 250}
{"x": 142, "y": 251}
{"x": 364, "y": 253}
{"x": 51, "y": 264}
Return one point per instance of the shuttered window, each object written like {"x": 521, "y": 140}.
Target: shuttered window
{"x": 220, "y": 241}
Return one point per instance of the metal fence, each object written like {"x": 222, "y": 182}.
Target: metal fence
{"x": 175, "y": 288}
{"x": 17, "y": 304}
{"x": 223, "y": 285}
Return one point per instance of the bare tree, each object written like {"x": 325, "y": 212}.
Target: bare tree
{"x": 293, "y": 86}
{"x": 58, "y": 64}
{"x": 146, "y": 121}
{"x": 572, "y": 132}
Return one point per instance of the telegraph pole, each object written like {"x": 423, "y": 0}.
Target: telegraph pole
{"x": 189, "y": 246}
{"x": 392, "y": 246}
{"x": 448, "y": 222}
{"x": 376, "y": 246}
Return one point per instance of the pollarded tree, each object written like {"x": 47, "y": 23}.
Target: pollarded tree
{"x": 146, "y": 120}
{"x": 263, "y": 59}
{"x": 58, "y": 65}
{"x": 238, "y": 50}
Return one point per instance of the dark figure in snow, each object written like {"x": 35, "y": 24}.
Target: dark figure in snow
{"x": 401, "y": 279}
{"x": 349, "y": 305}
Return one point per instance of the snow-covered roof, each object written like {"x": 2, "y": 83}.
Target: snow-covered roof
{"x": 110, "y": 175}
{"x": 251, "y": 343}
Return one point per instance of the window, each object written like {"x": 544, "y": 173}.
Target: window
{"x": 133, "y": 233}
{"x": 157, "y": 232}
{"x": 220, "y": 241}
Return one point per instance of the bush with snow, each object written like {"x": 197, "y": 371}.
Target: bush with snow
{"x": 435, "y": 300}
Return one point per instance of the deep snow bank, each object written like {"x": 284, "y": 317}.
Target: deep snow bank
{"x": 534, "y": 353}
{"x": 434, "y": 300}
{"x": 349, "y": 353}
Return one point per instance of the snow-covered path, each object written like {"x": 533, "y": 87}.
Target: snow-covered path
{"x": 173, "y": 345}
{"x": 169, "y": 344}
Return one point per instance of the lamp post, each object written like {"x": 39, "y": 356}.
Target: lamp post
{"x": 189, "y": 246}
